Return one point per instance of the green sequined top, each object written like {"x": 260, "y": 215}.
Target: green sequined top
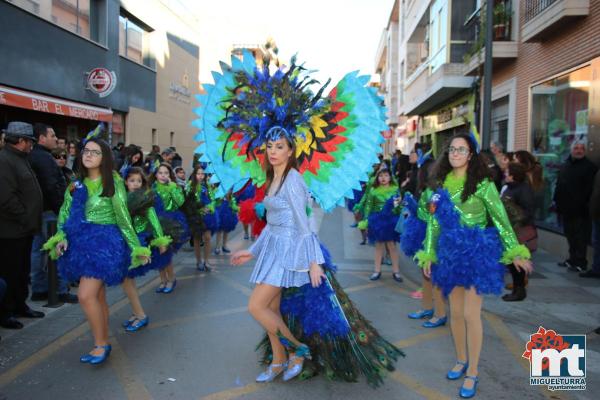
{"x": 483, "y": 205}
{"x": 377, "y": 197}
{"x": 172, "y": 196}
{"x": 360, "y": 206}
{"x": 104, "y": 211}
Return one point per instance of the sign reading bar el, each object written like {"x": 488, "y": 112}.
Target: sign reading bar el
{"x": 31, "y": 101}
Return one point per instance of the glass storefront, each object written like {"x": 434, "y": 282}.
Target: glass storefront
{"x": 559, "y": 115}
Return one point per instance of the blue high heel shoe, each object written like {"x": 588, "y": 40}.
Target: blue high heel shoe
{"x": 129, "y": 321}
{"x": 421, "y": 314}
{"x": 294, "y": 369}
{"x": 468, "y": 393}
{"x": 440, "y": 322}
{"x": 269, "y": 375}
{"x": 92, "y": 359}
{"x": 160, "y": 288}
{"x": 170, "y": 289}
{"x": 137, "y": 324}
{"x": 454, "y": 375}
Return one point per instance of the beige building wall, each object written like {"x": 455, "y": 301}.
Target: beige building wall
{"x": 176, "y": 85}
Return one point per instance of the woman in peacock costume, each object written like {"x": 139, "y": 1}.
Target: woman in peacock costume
{"x": 200, "y": 210}
{"x": 414, "y": 222}
{"x": 96, "y": 244}
{"x": 227, "y": 211}
{"x": 308, "y": 145}
{"x": 169, "y": 198}
{"x": 379, "y": 219}
{"x": 462, "y": 253}
{"x": 140, "y": 203}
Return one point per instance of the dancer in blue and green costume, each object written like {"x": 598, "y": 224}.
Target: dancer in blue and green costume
{"x": 462, "y": 253}
{"x": 359, "y": 208}
{"x": 201, "y": 215}
{"x": 379, "y": 219}
{"x": 168, "y": 201}
{"x": 140, "y": 202}
{"x": 96, "y": 243}
{"x": 226, "y": 210}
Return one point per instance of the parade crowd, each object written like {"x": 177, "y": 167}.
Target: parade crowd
{"x": 144, "y": 208}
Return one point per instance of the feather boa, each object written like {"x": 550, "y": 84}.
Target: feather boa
{"x": 226, "y": 216}
{"x": 413, "y": 228}
{"x": 382, "y": 224}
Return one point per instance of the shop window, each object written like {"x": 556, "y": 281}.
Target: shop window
{"x": 83, "y": 17}
{"x": 559, "y": 115}
{"x": 499, "y": 133}
{"x": 134, "y": 38}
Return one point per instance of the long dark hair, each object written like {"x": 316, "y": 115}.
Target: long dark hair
{"x": 131, "y": 151}
{"x": 270, "y": 172}
{"x": 152, "y": 178}
{"x": 533, "y": 168}
{"x": 195, "y": 181}
{"x": 376, "y": 183}
{"x": 106, "y": 167}
{"x": 477, "y": 169}
{"x": 138, "y": 171}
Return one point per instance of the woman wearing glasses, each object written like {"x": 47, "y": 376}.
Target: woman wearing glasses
{"x": 96, "y": 243}
{"x": 60, "y": 156}
{"x": 462, "y": 254}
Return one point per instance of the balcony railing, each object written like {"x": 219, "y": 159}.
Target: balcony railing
{"x": 475, "y": 25}
{"x": 535, "y": 7}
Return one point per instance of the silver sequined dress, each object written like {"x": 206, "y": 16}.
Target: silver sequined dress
{"x": 288, "y": 245}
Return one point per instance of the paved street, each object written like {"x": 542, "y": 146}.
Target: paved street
{"x": 200, "y": 341}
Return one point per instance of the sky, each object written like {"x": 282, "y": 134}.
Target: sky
{"x": 332, "y": 36}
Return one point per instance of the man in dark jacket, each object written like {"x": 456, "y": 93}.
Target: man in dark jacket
{"x": 53, "y": 184}
{"x": 594, "y": 272}
{"x": 572, "y": 197}
{"x": 21, "y": 207}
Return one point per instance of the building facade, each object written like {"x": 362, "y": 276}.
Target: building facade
{"x": 73, "y": 63}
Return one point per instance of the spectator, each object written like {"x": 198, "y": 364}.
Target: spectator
{"x": 62, "y": 143}
{"x": 409, "y": 184}
{"x": 167, "y": 156}
{"x": 534, "y": 170}
{"x": 519, "y": 202}
{"x": 134, "y": 157}
{"x": 572, "y": 196}
{"x": 497, "y": 175}
{"x": 53, "y": 185}
{"x": 72, "y": 153}
{"x": 594, "y": 272}
{"x": 60, "y": 156}
{"x": 180, "y": 176}
{"x": 497, "y": 150}
{"x": 21, "y": 206}
{"x": 155, "y": 152}
{"x": 1, "y": 139}
{"x": 119, "y": 155}
{"x": 176, "y": 161}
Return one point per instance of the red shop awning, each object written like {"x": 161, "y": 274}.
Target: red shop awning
{"x": 37, "y": 102}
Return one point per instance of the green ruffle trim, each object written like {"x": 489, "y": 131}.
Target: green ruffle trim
{"x": 422, "y": 257}
{"x": 50, "y": 245}
{"x": 364, "y": 224}
{"x": 211, "y": 207}
{"x": 139, "y": 251}
{"x": 517, "y": 251}
{"x": 161, "y": 241}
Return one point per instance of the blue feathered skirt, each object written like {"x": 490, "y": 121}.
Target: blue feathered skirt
{"x": 413, "y": 229}
{"x": 94, "y": 250}
{"x": 157, "y": 261}
{"x": 382, "y": 224}
{"x": 228, "y": 220}
{"x": 211, "y": 222}
{"x": 468, "y": 256}
{"x": 357, "y": 196}
{"x": 343, "y": 344}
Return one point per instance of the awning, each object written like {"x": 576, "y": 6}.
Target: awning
{"x": 37, "y": 102}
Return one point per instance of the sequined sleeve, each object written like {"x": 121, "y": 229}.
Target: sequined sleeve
{"x": 177, "y": 195}
{"x": 297, "y": 196}
{"x": 157, "y": 232}
{"x": 59, "y": 236}
{"x": 488, "y": 193}
{"x": 432, "y": 232}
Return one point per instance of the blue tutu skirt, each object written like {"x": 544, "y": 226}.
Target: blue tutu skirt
{"x": 228, "y": 220}
{"x": 382, "y": 225}
{"x": 357, "y": 196}
{"x": 468, "y": 256}
{"x": 157, "y": 262}
{"x": 94, "y": 251}
{"x": 412, "y": 229}
{"x": 211, "y": 222}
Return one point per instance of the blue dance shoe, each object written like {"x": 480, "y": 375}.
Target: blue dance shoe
{"x": 168, "y": 289}
{"x": 92, "y": 359}
{"x": 421, "y": 314}
{"x": 468, "y": 393}
{"x": 129, "y": 321}
{"x": 440, "y": 322}
{"x": 137, "y": 324}
{"x": 225, "y": 250}
{"x": 294, "y": 369}
{"x": 454, "y": 375}
{"x": 161, "y": 288}
{"x": 269, "y": 375}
